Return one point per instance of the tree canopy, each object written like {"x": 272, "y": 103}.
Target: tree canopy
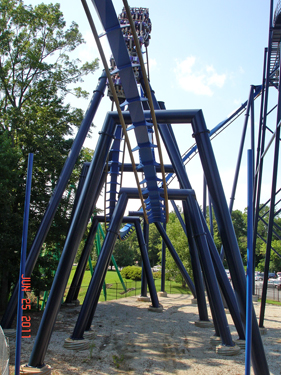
{"x": 36, "y": 75}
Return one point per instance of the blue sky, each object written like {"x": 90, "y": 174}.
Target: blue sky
{"x": 203, "y": 54}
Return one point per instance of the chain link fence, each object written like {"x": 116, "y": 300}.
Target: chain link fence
{"x": 4, "y": 354}
{"x": 115, "y": 291}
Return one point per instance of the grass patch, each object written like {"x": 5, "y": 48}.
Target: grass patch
{"x": 271, "y": 302}
{"x": 115, "y": 290}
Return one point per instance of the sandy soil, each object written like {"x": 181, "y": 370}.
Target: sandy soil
{"x": 129, "y": 339}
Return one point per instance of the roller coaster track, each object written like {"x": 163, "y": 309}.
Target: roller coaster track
{"x": 126, "y": 231}
{"x": 142, "y": 128}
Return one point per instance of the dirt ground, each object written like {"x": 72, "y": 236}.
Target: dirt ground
{"x": 129, "y": 339}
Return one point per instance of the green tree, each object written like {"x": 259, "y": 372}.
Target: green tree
{"x": 36, "y": 75}
{"x": 179, "y": 241}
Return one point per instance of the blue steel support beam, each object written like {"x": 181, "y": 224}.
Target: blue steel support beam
{"x": 56, "y": 196}
{"x": 163, "y": 263}
{"x": 240, "y": 154}
{"x": 176, "y": 258}
{"x": 227, "y": 235}
{"x": 86, "y": 313}
{"x": 174, "y": 155}
{"x": 224, "y": 283}
{"x": 259, "y": 170}
{"x": 81, "y": 267}
{"x": 95, "y": 300}
{"x": 146, "y": 264}
{"x": 143, "y": 273}
{"x": 250, "y": 268}
{"x": 88, "y": 199}
{"x": 213, "y": 291}
{"x": 272, "y": 206}
{"x": 110, "y": 22}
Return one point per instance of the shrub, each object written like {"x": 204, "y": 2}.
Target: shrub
{"x": 157, "y": 275}
{"x": 131, "y": 272}
{"x": 93, "y": 265}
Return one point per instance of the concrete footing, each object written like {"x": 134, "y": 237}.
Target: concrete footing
{"x": 215, "y": 340}
{"x": 255, "y": 298}
{"x": 227, "y": 350}
{"x": 144, "y": 299}
{"x": 89, "y": 335}
{"x": 263, "y": 331}
{"x": 240, "y": 343}
{"x": 204, "y": 323}
{"x": 27, "y": 370}
{"x": 82, "y": 344}
{"x": 194, "y": 301}
{"x": 162, "y": 294}
{"x": 156, "y": 309}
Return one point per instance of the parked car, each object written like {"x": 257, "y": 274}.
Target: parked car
{"x": 274, "y": 283}
{"x": 272, "y": 275}
{"x": 258, "y": 276}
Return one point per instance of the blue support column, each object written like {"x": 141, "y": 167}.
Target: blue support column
{"x": 88, "y": 199}
{"x": 147, "y": 267}
{"x": 22, "y": 275}
{"x": 163, "y": 263}
{"x": 214, "y": 295}
{"x": 87, "y": 312}
{"x": 176, "y": 258}
{"x": 174, "y": 154}
{"x": 249, "y": 266}
{"x": 81, "y": 267}
{"x": 143, "y": 274}
{"x": 56, "y": 197}
{"x": 227, "y": 235}
{"x": 272, "y": 205}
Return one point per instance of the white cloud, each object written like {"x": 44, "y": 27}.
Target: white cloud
{"x": 197, "y": 78}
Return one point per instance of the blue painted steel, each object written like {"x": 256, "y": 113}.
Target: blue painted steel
{"x": 22, "y": 262}
{"x": 110, "y": 22}
{"x": 163, "y": 263}
{"x": 114, "y": 170}
{"x": 146, "y": 264}
{"x": 240, "y": 154}
{"x": 86, "y": 313}
{"x": 214, "y": 295}
{"x": 250, "y": 272}
{"x": 272, "y": 205}
{"x": 81, "y": 267}
{"x": 263, "y": 127}
{"x": 143, "y": 273}
{"x": 89, "y": 196}
{"x": 227, "y": 235}
{"x": 45, "y": 225}
{"x": 176, "y": 258}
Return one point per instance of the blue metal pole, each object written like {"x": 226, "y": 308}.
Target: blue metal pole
{"x": 249, "y": 308}
{"x": 176, "y": 258}
{"x": 228, "y": 237}
{"x": 163, "y": 263}
{"x": 80, "y": 270}
{"x": 22, "y": 263}
{"x": 87, "y": 312}
{"x": 56, "y": 196}
{"x": 143, "y": 273}
{"x": 146, "y": 265}
{"x": 88, "y": 199}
